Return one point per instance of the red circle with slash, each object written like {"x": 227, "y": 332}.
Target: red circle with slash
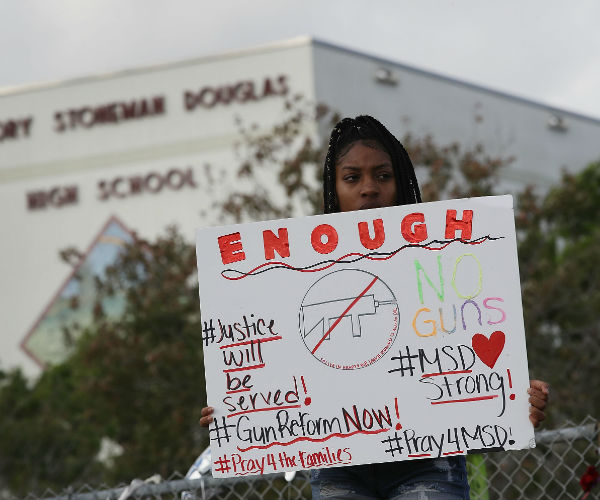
{"x": 349, "y": 319}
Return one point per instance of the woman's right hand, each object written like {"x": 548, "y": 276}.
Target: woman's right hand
{"x": 207, "y": 417}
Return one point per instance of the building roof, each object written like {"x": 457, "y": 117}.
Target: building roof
{"x": 284, "y": 44}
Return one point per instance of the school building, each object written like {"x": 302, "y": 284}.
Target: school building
{"x": 86, "y": 162}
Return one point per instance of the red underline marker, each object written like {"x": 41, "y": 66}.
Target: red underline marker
{"x": 254, "y": 367}
{"x": 344, "y": 313}
{"x": 353, "y": 254}
{"x": 453, "y": 452}
{"x": 268, "y": 339}
{"x": 239, "y": 390}
{"x": 421, "y": 455}
{"x": 425, "y": 375}
{"x": 313, "y": 440}
{"x": 264, "y": 409}
{"x": 480, "y": 398}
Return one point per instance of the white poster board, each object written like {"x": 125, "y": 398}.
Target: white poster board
{"x": 360, "y": 337}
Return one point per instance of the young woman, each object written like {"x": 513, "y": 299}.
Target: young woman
{"x": 367, "y": 167}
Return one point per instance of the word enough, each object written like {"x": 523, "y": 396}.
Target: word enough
{"x": 324, "y": 237}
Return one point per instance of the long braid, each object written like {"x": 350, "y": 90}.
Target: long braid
{"x": 329, "y": 194}
{"x": 364, "y": 127}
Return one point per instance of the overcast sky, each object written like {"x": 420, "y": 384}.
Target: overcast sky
{"x": 546, "y": 50}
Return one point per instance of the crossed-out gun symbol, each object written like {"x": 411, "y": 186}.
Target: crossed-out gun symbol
{"x": 313, "y": 317}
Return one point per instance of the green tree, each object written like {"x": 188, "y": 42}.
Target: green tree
{"x": 138, "y": 381}
{"x": 558, "y": 253}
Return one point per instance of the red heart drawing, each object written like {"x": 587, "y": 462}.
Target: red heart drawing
{"x": 490, "y": 349}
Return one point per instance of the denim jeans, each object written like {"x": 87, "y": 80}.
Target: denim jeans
{"x": 437, "y": 478}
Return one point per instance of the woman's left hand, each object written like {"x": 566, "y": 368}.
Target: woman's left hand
{"x": 538, "y": 399}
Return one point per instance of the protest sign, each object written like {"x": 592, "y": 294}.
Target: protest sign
{"x": 372, "y": 336}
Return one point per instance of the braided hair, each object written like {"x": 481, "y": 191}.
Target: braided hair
{"x": 366, "y": 128}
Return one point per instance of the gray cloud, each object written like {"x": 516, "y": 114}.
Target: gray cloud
{"x": 543, "y": 50}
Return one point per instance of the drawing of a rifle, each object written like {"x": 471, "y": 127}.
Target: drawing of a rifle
{"x": 315, "y": 317}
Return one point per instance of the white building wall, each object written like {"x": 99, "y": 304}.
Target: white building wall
{"x": 83, "y": 157}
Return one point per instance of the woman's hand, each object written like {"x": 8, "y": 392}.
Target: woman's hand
{"x": 538, "y": 399}
{"x": 207, "y": 417}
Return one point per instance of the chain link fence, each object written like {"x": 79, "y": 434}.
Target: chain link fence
{"x": 551, "y": 470}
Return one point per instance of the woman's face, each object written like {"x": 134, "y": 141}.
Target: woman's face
{"x": 364, "y": 178}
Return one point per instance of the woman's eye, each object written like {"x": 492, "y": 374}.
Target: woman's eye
{"x": 384, "y": 176}
{"x": 350, "y": 178}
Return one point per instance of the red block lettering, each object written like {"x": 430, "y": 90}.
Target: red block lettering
{"x": 279, "y": 243}
{"x": 36, "y": 199}
{"x": 413, "y": 228}
{"x": 365, "y": 237}
{"x": 317, "y": 235}
{"x": 464, "y": 226}
{"x": 231, "y": 249}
